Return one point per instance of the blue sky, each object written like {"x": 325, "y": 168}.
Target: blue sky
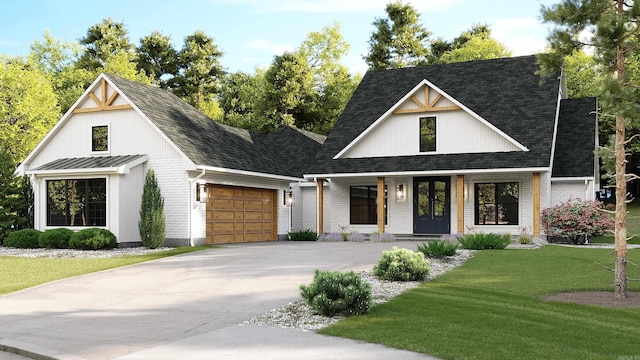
{"x": 251, "y": 32}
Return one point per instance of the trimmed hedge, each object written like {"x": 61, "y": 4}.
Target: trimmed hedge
{"x": 93, "y": 239}
{"x": 24, "y": 239}
{"x": 55, "y": 238}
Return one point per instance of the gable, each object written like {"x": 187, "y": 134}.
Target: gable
{"x": 458, "y": 130}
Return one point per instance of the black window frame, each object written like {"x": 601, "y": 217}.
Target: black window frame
{"x": 370, "y": 205}
{"x": 428, "y": 142}
{"x": 90, "y": 202}
{"x": 499, "y": 201}
{"x": 95, "y": 142}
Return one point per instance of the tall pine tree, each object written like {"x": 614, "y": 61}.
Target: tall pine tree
{"x": 151, "y": 224}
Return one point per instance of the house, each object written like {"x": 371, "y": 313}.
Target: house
{"x": 480, "y": 145}
{"x": 220, "y": 184}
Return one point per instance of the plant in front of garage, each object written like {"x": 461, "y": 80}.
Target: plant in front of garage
{"x": 336, "y": 293}
{"x": 93, "y": 239}
{"x": 303, "y": 235}
{"x": 151, "y": 224}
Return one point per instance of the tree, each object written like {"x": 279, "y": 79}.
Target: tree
{"x": 103, "y": 40}
{"x": 28, "y": 106}
{"x": 399, "y": 40}
{"x": 238, "y": 95}
{"x": 158, "y": 58}
{"x": 10, "y": 196}
{"x": 151, "y": 224}
{"x": 614, "y": 28}
{"x": 474, "y": 45}
{"x": 200, "y": 70}
{"x": 120, "y": 64}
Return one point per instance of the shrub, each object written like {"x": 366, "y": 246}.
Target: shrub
{"x": 55, "y": 238}
{"x": 481, "y": 241}
{"x": 151, "y": 224}
{"x": 334, "y": 236}
{"x": 402, "y": 265}
{"x": 438, "y": 249}
{"x": 92, "y": 239}
{"x": 356, "y": 236}
{"x": 24, "y": 239}
{"x": 382, "y": 237}
{"x": 576, "y": 220}
{"x": 336, "y": 293}
{"x": 303, "y": 235}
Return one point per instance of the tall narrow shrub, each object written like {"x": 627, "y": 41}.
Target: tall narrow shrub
{"x": 151, "y": 224}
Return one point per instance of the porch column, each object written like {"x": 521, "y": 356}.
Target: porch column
{"x": 380, "y": 207}
{"x": 536, "y": 205}
{"x": 320, "y": 206}
{"x": 460, "y": 202}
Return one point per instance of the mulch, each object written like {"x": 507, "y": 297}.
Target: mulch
{"x": 598, "y": 298}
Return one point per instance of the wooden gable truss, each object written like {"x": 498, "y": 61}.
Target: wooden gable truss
{"x": 105, "y": 103}
{"x": 429, "y": 105}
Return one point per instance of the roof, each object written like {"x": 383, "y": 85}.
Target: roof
{"x": 119, "y": 164}
{"x": 505, "y": 92}
{"x": 576, "y": 140}
{"x": 206, "y": 142}
{"x": 295, "y": 147}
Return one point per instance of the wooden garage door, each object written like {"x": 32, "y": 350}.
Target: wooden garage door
{"x": 238, "y": 214}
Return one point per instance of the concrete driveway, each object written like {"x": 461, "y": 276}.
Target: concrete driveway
{"x": 187, "y": 307}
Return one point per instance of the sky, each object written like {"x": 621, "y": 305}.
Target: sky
{"x": 251, "y": 32}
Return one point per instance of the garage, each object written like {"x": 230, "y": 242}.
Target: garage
{"x": 239, "y": 214}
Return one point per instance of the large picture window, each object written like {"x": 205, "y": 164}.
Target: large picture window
{"x": 496, "y": 203}
{"x": 77, "y": 202}
{"x": 427, "y": 134}
{"x": 363, "y": 203}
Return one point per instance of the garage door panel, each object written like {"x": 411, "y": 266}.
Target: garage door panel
{"x": 236, "y": 214}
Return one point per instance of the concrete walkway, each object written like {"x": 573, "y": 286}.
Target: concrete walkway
{"x": 187, "y": 307}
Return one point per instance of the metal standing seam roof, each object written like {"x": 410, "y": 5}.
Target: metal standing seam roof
{"x": 95, "y": 162}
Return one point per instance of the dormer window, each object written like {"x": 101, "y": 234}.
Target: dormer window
{"x": 427, "y": 134}
{"x": 100, "y": 138}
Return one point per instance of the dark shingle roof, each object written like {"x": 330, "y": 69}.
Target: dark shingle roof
{"x": 575, "y": 142}
{"x": 95, "y": 162}
{"x": 294, "y": 146}
{"x": 505, "y": 92}
{"x": 201, "y": 139}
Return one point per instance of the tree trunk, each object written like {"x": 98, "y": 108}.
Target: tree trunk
{"x": 620, "y": 281}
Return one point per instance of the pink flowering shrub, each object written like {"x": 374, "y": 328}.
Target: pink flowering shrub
{"x": 576, "y": 220}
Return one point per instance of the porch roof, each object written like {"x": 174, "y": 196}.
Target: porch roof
{"x": 94, "y": 164}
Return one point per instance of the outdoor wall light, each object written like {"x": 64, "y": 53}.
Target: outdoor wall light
{"x": 289, "y": 198}
{"x": 401, "y": 193}
{"x": 201, "y": 192}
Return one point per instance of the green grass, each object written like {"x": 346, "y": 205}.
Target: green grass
{"x": 18, "y": 273}
{"x": 633, "y": 226}
{"x": 492, "y": 307}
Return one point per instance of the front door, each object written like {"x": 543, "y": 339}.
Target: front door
{"x": 431, "y": 205}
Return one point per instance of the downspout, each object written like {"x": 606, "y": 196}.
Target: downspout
{"x": 191, "y": 198}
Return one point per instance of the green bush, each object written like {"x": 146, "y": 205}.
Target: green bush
{"x": 438, "y": 249}
{"x": 333, "y": 293}
{"x": 402, "y": 265}
{"x": 55, "y": 238}
{"x": 303, "y": 235}
{"x": 92, "y": 239}
{"x": 25, "y": 239}
{"x": 481, "y": 241}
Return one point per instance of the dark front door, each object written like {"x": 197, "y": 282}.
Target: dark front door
{"x": 431, "y": 206}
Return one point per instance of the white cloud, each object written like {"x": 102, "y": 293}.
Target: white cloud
{"x": 339, "y": 6}
{"x": 274, "y": 48}
{"x": 523, "y": 36}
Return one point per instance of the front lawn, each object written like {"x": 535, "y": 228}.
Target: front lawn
{"x": 492, "y": 307}
{"x": 18, "y": 273}
{"x": 633, "y": 226}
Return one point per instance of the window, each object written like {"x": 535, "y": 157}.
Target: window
{"x": 77, "y": 202}
{"x": 363, "y": 203}
{"x": 100, "y": 138}
{"x": 427, "y": 134}
{"x": 496, "y": 203}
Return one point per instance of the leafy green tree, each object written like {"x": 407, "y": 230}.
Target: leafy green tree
{"x": 399, "y": 40}
{"x": 28, "y": 106}
{"x": 583, "y": 78}
{"x": 478, "y": 46}
{"x": 158, "y": 58}
{"x": 237, "y": 99}
{"x": 102, "y": 41}
{"x": 10, "y": 196}
{"x": 614, "y": 25}
{"x": 200, "y": 69}
{"x": 152, "y": 223}
{"x": 120, "y": 64}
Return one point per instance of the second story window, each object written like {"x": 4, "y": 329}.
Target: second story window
{"x": 427, "y": 134}
{"x": 100, "y": 138}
